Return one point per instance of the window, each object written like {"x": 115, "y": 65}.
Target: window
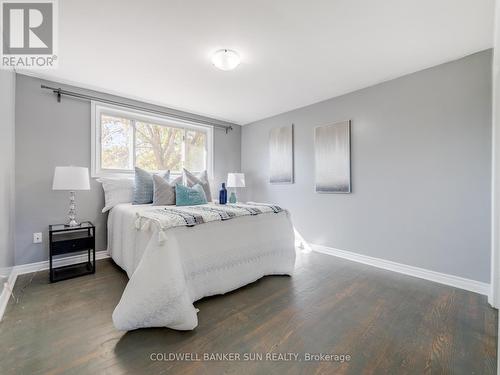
{"x": 122, "y": 139}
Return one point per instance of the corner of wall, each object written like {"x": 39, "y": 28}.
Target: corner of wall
{"x": 7, "y": 109}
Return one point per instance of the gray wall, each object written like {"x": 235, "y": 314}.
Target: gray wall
{"x": 7, "y": 121}
{"x": 50, "y": 134}
{"x": 421, "y": 158}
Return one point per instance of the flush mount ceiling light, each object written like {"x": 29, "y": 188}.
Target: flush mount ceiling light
{"x": 226, "y": 59}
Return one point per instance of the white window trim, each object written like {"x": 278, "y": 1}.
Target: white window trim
{"x": 95, "y": 133}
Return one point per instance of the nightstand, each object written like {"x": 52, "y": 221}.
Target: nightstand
{"x": 66, "y": 240}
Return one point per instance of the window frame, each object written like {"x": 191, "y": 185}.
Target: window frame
{"x": 98, "y": 108}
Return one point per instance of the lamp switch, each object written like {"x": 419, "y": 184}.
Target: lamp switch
{"x": 37, "y": 237}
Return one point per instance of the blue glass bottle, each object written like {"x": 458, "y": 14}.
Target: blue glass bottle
{"x": 223, "y": 194}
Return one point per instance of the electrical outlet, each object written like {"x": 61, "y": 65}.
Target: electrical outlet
{"x": 37, "y": 237}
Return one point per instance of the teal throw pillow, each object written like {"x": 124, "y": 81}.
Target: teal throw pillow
{"x": 189, "y": 196}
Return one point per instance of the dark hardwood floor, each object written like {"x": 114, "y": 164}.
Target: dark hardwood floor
{"x": 388, "y": 323}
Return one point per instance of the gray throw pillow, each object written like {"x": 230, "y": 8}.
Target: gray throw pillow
{"x": 164, "y": 191}
{"x": 143, "y": 189}
{"x": 202, "y": 179}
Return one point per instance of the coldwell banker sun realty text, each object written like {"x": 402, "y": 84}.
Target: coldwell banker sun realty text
{"x": 29, "y": 34}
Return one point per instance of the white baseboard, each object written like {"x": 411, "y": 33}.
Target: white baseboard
{"x": 44, "y": 265}
{"x": 442, "y": 278}
{"x": 39, "y": 266}
{"x": 6, "y": 293}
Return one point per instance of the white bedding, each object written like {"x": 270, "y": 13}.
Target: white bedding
{"x": 192, "y": 263}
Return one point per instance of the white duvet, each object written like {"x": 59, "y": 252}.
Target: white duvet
{"x": 192, "y": 263}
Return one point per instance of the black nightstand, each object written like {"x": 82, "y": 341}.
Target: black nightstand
{"x": 66, "y": 240}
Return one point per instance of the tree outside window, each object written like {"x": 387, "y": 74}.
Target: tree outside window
{"x": 127, "y": 142}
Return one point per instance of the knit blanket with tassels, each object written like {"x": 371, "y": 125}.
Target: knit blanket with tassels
{"x": 166, "y": 217}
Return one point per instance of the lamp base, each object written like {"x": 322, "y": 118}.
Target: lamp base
{"x": 72, "y": 211}
{"x": 232, "y": 198}
{"x": 72, "y": 223}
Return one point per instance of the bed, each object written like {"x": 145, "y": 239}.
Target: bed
{"x": 170, "y": 269}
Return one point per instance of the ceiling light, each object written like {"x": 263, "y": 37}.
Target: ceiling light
{"x": 226, "y": 59}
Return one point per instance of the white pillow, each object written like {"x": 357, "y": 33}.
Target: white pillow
{"x": 116, "y": 191}
{"x": 201, "y": 178}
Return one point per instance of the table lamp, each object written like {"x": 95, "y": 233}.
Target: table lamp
{"x": 72, "y": 179}
{"x": 235, "y": 180}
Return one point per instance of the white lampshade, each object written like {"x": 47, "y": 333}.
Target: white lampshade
{"x": 236, "y": 180}
{"x": 71, "y": 178}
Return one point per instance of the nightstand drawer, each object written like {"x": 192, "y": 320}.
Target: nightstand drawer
{"x": 69, "y": 246}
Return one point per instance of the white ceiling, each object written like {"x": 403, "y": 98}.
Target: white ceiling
{"x": 294, "y": 53}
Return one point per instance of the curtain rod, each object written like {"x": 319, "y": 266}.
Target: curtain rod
{"x": 60, "y": 92}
